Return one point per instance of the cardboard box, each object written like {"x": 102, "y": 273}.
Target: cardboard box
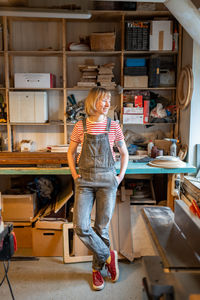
{"x": 102, "y": 41}
{"x": 47, "y": 238}
{"x": 135, "y": 81}
{"x": 161, "y": 35}
{"x": 23, "y": 232}
{"x": 132, "y": 119}
{"x": 34, "y": 80}
{"x": 28, "y": 107}
{"x": 19, "y": 207}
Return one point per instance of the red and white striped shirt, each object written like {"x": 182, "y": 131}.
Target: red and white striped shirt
{"x": 115, "y": 134}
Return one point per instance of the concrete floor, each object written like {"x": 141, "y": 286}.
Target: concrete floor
{"x": 50, "y": 279}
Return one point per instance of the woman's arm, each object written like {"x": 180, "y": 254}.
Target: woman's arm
{"x": 71, "y": 159}
{"x": 121, "y": 145}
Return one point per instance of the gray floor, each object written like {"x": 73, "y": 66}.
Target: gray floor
{"x": 50, "y": 279}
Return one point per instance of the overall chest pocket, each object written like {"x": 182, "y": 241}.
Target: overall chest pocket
{"x": 97, "y": 153}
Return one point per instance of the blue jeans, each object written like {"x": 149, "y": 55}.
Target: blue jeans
{"x": 101, "y": 186}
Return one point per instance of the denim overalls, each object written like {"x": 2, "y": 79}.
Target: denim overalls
{"x": 97, "y": 181}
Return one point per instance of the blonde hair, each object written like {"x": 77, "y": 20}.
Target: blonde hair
{"x": 95, "y": 94}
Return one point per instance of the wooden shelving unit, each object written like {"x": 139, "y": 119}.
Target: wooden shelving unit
{"x": 38, "y": 45}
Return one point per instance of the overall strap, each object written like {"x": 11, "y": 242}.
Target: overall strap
{"x": 84, "y": 125}
{"x": 108, "y": 124}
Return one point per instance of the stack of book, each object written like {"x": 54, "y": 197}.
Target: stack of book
{"x": 89, "y": 76}
{"x": 61, "y": 148}
{"x": 190, "y": 193}
{"x": 105, "y": 76}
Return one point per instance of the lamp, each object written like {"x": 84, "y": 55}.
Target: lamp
{"x": 43, "y": 13}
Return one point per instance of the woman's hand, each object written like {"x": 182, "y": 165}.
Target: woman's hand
{"x": 76, "y": 176}
{"x": 119, "y": 179}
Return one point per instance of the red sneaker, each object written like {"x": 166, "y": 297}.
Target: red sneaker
{"x": 112, "y": 267}
{"x": 98, "y": 282}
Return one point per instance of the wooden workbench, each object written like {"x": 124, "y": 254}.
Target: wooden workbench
{"x": 133, "y": 168}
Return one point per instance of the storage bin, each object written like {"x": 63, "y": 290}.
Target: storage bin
{"x": 19, "y": 207}
{"x": 102, "y": 41}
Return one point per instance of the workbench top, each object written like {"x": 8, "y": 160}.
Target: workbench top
{"x": 133, "y": 168}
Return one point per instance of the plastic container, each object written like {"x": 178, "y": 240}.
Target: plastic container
{"x": 175, "y": 41}
{"x": 149, "y": 147}
{"x": 173, "y": 148}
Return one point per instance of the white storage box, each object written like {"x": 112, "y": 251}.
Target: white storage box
{"x": 132, "y": 119}
{"x": 28, "y": 107}
{"x": 34, "y": 80}
{"x": 161, "y": 35}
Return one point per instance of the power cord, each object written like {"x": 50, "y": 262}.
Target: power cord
{"x": 6, "y": 268}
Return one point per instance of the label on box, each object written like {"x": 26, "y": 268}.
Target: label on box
{"x": 132, "y": 119}
{"x": 133, "y": 110}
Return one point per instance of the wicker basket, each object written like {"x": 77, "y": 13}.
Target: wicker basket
{"x": 102, "y": 41}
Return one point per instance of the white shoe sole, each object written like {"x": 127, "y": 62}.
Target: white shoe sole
{"x": 98, "y": 288}
{"x": 117, "y": 267}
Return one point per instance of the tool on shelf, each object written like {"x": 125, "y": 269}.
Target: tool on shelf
{"x": 75, "y": 111}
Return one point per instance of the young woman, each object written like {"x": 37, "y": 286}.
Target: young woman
{"x": 97, "y": 180}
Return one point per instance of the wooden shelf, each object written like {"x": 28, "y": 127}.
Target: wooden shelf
{"x": 38, "y": 35}
{"x": 38, "y": 124}
{"x": 34, "y": 53}
{"x": 34, "y": 89}
{"x": 150, "y": 124}
{"x": 78, "y": 88}
{"x": 167, "y": 88}
{"x": 93, "y": 53}
{"x": 148, "y": 52}
{"x": 111, "y": 15}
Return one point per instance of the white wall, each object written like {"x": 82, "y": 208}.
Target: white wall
{"x": 187, "y": 56}
{"x": 190, "y": 117}
{"x": 194, "y": 136}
